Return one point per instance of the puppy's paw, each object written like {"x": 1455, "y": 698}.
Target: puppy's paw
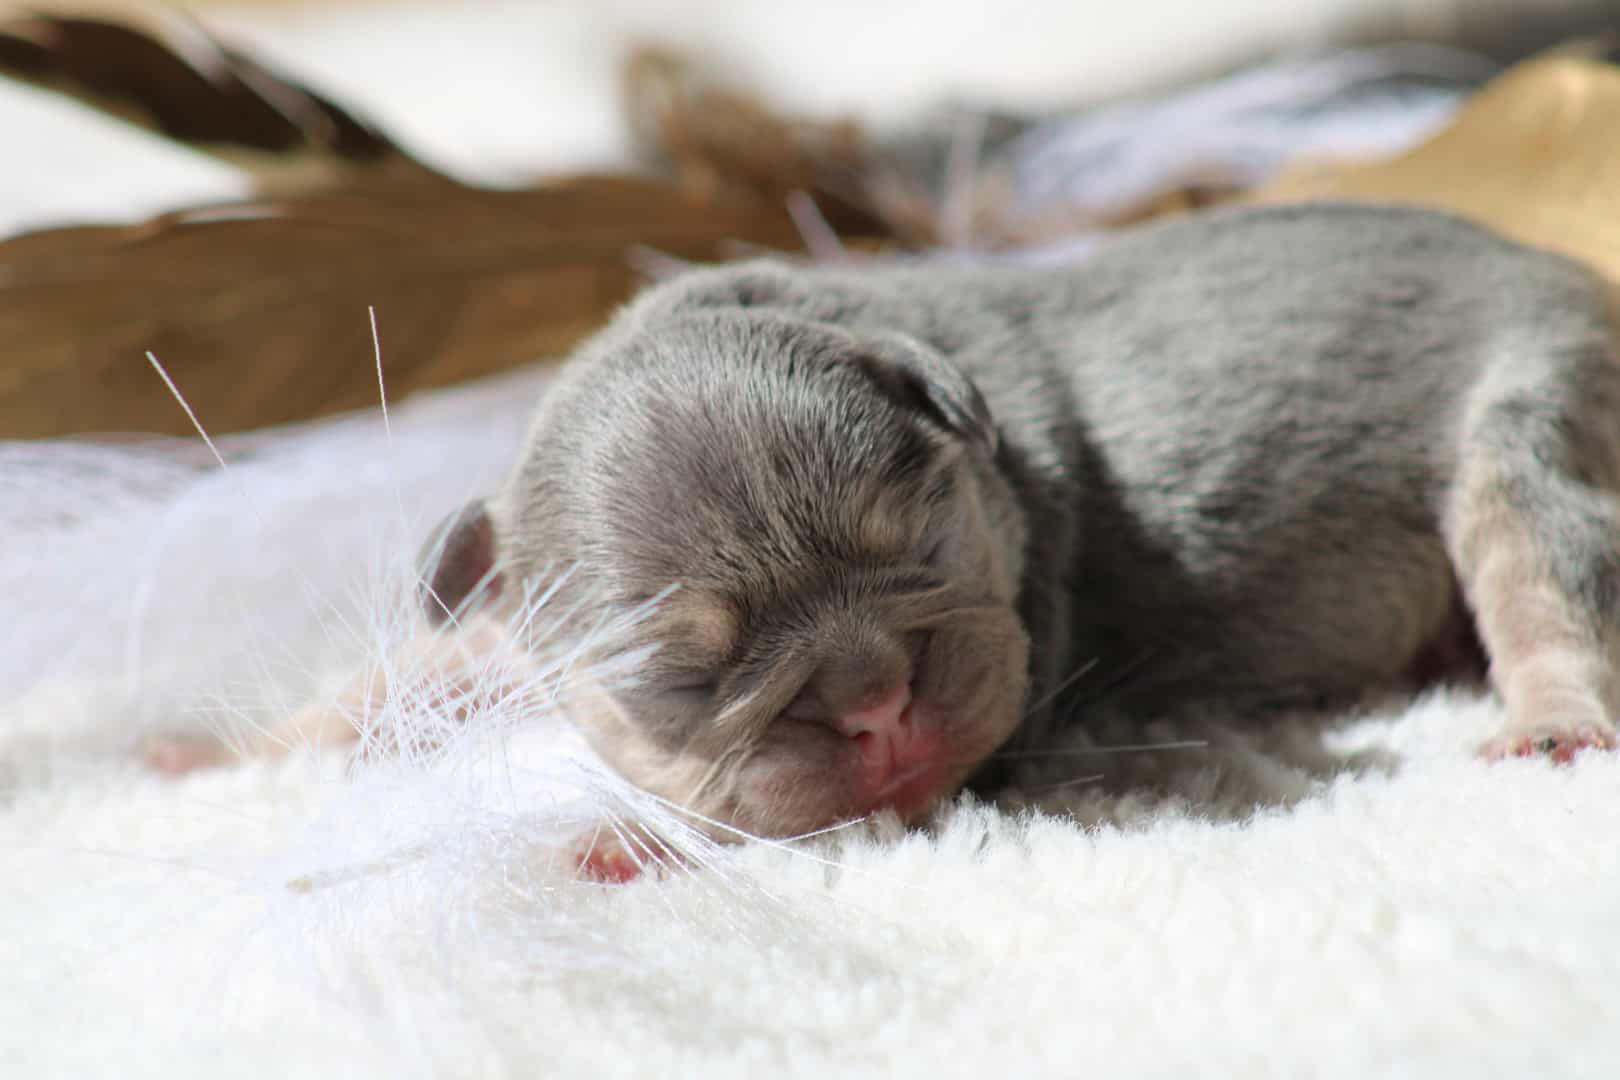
{"x": 614, "y": 858}
{"x": 180, "y": 755}
{"x": 606, "y": 862}
{"x": 1557, "y": 742}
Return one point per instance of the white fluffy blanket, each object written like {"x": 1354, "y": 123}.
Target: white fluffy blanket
{"x": 1397, "y": 907}
{"x": 1348, "y": 898}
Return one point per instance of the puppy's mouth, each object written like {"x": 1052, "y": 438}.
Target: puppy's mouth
{"x": 912, "y": 792}
{"x": 907, "y": 768}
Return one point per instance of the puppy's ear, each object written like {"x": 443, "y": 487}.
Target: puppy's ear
{"x": 457, "y": 565}
{"x": 922, "y": 377}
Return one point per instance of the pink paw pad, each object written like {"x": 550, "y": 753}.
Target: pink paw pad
{"x": 1557, "y": 746}
{"x": 607, "y": 864}
{"x": 614, "y": 860}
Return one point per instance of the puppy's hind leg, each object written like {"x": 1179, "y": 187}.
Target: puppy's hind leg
{"x": 1533, "y": 527}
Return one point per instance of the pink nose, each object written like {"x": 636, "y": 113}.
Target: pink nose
{"x": 898, "y": 754}
{"x": 884, "y": 717}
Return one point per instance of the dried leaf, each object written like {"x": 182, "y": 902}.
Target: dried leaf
{"x": 1534, "y": 154}
{"x": 178, "y": 81}
{"x": 723, "y": 142}
{"x": 259, "y": 310}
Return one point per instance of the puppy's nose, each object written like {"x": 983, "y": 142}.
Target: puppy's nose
{"x": 883, "y": 715}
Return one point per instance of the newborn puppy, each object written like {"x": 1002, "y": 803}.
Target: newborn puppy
{"x": 1273, "y": 455}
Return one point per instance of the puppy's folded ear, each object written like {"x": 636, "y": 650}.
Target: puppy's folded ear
{"x": 914, "y": 373}
{"x": 457, "y": 565}
{"x": 920, "y": 376}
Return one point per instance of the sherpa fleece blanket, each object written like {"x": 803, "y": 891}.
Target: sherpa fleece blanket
{"x": 1347, "y": 895}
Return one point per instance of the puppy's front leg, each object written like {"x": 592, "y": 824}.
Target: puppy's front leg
{"x": 437, "y": 678}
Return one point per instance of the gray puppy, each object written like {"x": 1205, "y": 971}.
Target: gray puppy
{"x": 1272, "y": 455}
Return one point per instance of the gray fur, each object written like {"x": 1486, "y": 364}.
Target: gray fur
{"x": 1241, "y": 453}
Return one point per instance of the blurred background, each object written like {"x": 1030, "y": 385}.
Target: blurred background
{"x": 499, "y": 91}
{"x": 375, "y": 150}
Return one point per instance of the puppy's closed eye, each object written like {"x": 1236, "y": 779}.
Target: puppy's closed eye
{"x": 692, "y": 691}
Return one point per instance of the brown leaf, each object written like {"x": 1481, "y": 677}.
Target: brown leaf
{"x": 724, "y": 142}
{"x": 719, "y": 139}
{"x": 1533, "y": 154}
{"x": 178, "y": 81}
{"x": 259, "y": 310}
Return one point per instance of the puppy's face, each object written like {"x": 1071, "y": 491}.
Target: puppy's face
{"x": 827, "y": 562}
